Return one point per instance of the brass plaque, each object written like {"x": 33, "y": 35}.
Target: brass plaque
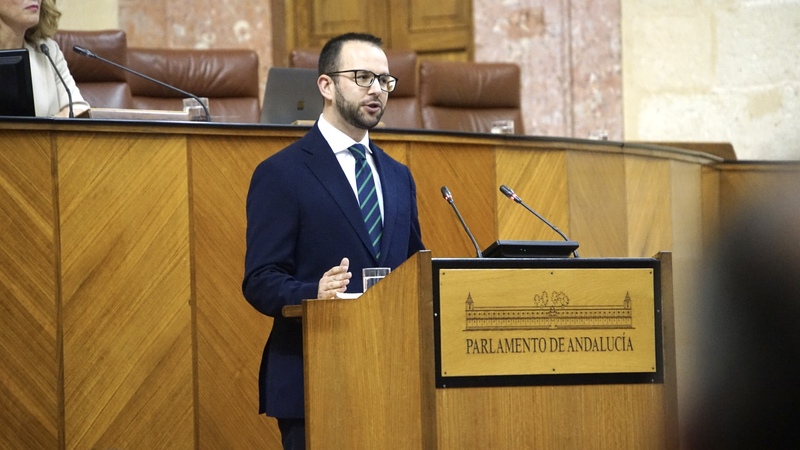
{"x": 546, "y": 321}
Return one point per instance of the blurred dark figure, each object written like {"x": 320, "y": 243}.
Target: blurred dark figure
{"x": 748, "y": 368}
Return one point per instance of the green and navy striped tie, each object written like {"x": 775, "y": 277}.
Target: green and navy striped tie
{"x": 368, "y": 198}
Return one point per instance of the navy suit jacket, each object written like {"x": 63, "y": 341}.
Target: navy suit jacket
{"x": 302, "y": 219}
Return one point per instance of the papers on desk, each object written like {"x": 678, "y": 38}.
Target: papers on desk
{"x": 348, "y": 295}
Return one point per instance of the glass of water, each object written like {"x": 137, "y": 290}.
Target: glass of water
{"x": 372, "y": 275}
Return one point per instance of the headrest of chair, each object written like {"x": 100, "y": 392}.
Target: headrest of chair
{"x": 403, "y": 65}
{"x": 108, "y": 44}
{"x": 304, "y": 58}
{"x": 469, "y": 84}
{"x": 205, "y": 73}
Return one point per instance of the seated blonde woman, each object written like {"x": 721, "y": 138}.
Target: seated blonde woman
{"x": 29, "y": 24}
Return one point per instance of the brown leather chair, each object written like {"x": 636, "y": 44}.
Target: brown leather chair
{"x": 304, "y": 58}
{"x": 469, "y": 96}
{"x": 101, "y": 84}
{"x": 228, "y": 78}
{"x": 402, "y": 110}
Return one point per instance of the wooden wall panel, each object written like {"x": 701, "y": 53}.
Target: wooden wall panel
{"x": 552, "y": 419}
{"x": 686, "y": 193}
{"x": 539, "y": 178}
{"x": 124, "y": 220}
{"x": 710, "y": 203}
{"x": 230, "y": 333}
{"x": 649, "y": 212}
{"x": 29, "y": 355}
{"x": 744, "y": 185}
{"x": 329, "y": 18}
{"x": 434, "y": 165}
{"x": 597, "y": 203}
{"x": 316, "y": 21}
{"x": 159, "y": 347}
{"x": 442, "y": 28}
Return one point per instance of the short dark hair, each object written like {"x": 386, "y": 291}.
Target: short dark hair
{"x": 329, "y": 56}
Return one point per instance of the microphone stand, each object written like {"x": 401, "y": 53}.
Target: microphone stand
{"x": 449, "y": 197}
{"x": 46, "y": 52}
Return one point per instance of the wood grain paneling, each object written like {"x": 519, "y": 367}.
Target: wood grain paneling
{"x": 441, "y": 27}
{"x": 710, "y": 203}
{"x": 556, "y": 417}
{"x": 374, "y": 352}
{"x": 648, "y": 191}
{"x": 124, "y": 222}
{"x": 328, "y": 19}
{"x": 540, "y": 180}
{"x": 160, "y": 350}
{"x": 441, "y": 30}
{"x": 686, "y": 194}
{"x": 743, "y": 185}
{"x": 434, "y": 165}
{"x": 597, "y": 203}
{"x": 29, "y": 355}
{"x": 230, "y": 333}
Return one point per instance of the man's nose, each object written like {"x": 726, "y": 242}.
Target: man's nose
{"x": 376, "y": 87}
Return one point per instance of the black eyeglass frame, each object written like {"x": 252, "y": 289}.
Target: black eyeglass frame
{"x": 375, "y": 76}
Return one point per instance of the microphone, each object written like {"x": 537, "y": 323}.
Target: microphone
{"x": 86, "y": 52}
{"x": 46, "y": 52}
{"x": 449, "y": 197}
{"x": 513, "y": 196}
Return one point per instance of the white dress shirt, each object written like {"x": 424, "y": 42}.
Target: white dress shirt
{"x": 340, "y": 143}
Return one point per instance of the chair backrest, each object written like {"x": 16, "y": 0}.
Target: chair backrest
{"x": 402, "y": 111}
{"x": 469, "y": 96}
{"x": 101, "y": 84}
{"x": 304, "y": 58}
{"x": 228, "y": 78}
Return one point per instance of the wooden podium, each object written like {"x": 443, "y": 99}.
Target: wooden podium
{"x": 374, "y": 377}
{"x": 369, "y": 369}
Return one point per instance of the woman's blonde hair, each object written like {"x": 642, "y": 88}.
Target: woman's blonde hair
{"x": 48, "y": 22}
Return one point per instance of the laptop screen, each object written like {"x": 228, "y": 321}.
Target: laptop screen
{"x": 16, "y": 88}
{"x": 291, "y": 94}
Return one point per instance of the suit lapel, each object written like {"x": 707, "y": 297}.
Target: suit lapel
{"x": 390, "y": 198}
{"x": 325, "y": 167}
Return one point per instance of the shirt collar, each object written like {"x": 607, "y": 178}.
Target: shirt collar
{"x": 339, "y": 141}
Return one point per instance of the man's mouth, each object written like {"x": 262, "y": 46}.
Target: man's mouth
{"x": 373, "y": 107}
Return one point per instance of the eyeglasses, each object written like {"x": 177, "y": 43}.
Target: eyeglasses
{"x": 365, "y": 78}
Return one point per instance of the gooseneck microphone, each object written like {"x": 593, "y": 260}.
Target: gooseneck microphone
{"x": 86, "y": 52}
{"x": 449, "y": 197}
{"x": 43, "y": 47}
{"x": 513, "y": 196}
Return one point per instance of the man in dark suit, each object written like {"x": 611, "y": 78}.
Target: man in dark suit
{"x": 306, "y": 233}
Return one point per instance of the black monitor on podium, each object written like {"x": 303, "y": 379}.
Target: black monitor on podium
{"x": 530, "y": 249}
{"x": 16, "y": 87}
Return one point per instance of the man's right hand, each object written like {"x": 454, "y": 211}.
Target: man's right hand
{"x": 334, "y": 280}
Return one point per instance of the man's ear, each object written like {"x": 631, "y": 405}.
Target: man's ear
{"x": 326, "y": 87}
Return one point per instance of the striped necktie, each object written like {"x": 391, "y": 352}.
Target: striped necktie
{"x": 368, "y": 198}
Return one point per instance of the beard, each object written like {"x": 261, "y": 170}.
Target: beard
{"x": 352, "y": 114}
